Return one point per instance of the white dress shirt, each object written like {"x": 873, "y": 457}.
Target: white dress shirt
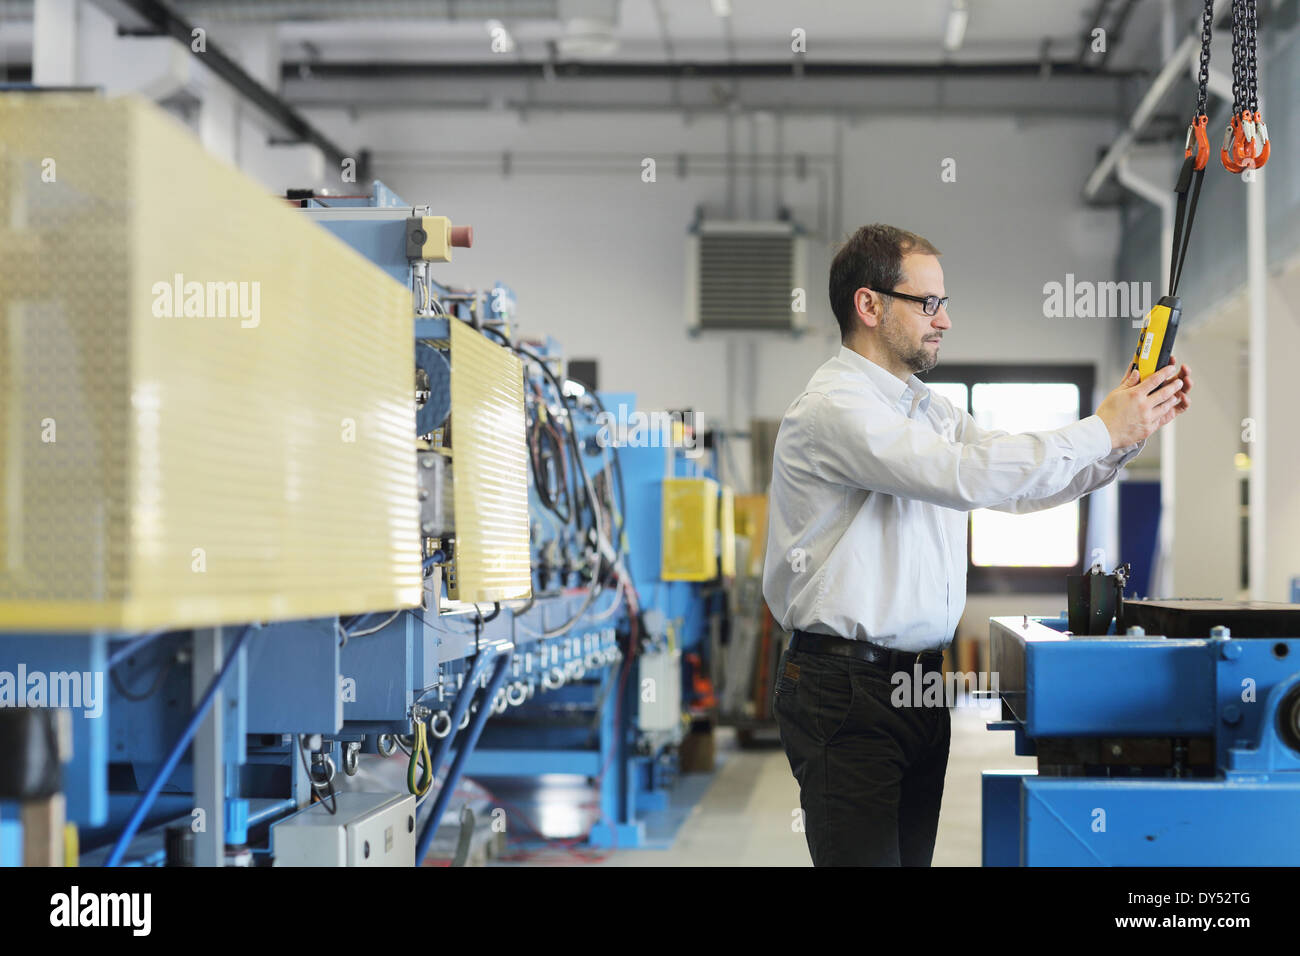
{"x": 871, "y": 482}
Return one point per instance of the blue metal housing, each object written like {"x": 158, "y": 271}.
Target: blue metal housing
{"x": 1229, "y": 691}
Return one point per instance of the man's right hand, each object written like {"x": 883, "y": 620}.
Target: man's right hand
{"x": 1137, "y": 408}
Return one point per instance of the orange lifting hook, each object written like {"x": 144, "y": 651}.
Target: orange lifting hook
{"x": 1250, "y": 147}
{"x": 1196, "y": 134}
{"x": 1230, "y": 136}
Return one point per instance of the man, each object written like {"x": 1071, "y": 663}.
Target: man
{"x": 866, "y": 556}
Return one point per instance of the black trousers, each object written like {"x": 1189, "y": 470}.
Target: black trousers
{"x": 870, "y": 773}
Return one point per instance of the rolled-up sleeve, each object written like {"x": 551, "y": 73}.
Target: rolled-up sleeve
{"x": 869, "y": 445}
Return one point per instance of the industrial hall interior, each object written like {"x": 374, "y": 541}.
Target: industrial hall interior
{"x": 647, "y": 433}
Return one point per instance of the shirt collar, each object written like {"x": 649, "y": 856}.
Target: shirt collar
{"x": 888, "y": 383}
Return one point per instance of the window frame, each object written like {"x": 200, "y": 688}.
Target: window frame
{"x": 1008, "y": 580}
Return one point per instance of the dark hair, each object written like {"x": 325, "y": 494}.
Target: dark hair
{"x": 872, "y": 258}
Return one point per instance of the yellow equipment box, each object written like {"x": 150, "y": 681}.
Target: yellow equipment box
{"x": 690, "y": 529}
{"x": 206, "y": 401}
{"x": 751, "y": 524}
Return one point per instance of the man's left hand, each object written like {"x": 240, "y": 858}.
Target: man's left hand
{"x": 1181, "y": 403}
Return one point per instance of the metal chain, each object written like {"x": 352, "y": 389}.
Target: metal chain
{"x": 1252, "y": 77}
{"x": 1203, "y": 77}
{"x": 1237, "y": 31}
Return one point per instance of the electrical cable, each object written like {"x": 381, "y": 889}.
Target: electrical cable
{"x": 569, "y": 431}
{"x": 123, "y": 653}
{"x": 164, "y": 670}
{"x": 378, "y": 627}
{"x": 613, "y": 548}
{"x": 347, "y": 635}
{"x": 420, "y": 759}
{"x": 333, "y": 806}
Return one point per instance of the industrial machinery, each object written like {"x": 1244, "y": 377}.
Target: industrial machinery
{"x": 1167, "y": 734}
{"x": 279, "y": 503}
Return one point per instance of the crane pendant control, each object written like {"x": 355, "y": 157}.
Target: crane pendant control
{"x": 1156, "y": 341}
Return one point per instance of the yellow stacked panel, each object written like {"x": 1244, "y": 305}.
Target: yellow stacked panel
{"x": 240, "y": 451}
{"x": 489, "y": 458}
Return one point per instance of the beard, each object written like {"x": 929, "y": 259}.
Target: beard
{"x": 917, "y": 356}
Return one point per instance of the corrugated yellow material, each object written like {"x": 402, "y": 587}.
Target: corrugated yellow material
{"x": 690, "y": 529}
{"x": 489, "y": 460}
{"x": 206, "y": 401}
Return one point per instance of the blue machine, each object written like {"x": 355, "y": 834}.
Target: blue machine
{"x": 1152, "y": 750}
{"x": 527, "y": 688}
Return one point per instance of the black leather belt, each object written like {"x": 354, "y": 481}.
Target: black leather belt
{"x": 892, "y": 660}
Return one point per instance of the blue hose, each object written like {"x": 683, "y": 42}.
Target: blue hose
{"x": 173, "y": 758}
{"x": 467, "y": 746}
{"x": 458, "y": 709}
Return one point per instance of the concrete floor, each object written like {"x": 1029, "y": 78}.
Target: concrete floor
{"x": 746, "y": 814}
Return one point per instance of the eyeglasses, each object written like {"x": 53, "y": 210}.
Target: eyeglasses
{"x": 930, "y": 304}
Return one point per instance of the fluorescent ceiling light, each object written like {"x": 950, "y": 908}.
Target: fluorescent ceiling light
{"x": 955, "y": 32}
{"x": 722, "y": 7}
{"x": 588, "y": 37}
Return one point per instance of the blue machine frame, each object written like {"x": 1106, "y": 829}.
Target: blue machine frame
{"x": 286, "y": 680}
{"x": 1232, "y": 692}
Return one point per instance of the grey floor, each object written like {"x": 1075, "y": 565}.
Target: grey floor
{"x": 745, "y": 816}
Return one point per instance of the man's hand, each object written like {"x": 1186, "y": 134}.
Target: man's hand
{"x": 1183, "y": 403}
{"x": 1137, "y": 408}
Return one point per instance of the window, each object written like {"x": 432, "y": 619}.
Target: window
{"x": 1031, "y": 552}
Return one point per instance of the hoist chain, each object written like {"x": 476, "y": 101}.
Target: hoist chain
{"x": 1238, "y": 41}
{"x": 1203, "y": 77}
{"x": 1252, "y": 77}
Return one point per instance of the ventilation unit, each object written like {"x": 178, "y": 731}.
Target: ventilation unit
{"x": 744, "y": 276}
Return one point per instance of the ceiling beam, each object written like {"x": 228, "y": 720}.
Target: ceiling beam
{"x": 159, "y": 19}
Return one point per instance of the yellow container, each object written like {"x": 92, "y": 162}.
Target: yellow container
{"x": 206, "y": 401}
{"x": 751, "y": 524}
{"x": 690, "y": 529}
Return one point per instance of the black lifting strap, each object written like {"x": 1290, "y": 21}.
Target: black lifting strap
{"x": 1189, "y": 179}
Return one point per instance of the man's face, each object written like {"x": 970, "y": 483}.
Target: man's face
{"x": 911, "y": 336}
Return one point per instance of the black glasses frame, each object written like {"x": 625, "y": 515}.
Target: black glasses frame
{"x": 930, "y": 304}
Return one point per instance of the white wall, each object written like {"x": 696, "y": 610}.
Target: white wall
{"x": 597, "y": 256}
{"x": 1207, "y": 518}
